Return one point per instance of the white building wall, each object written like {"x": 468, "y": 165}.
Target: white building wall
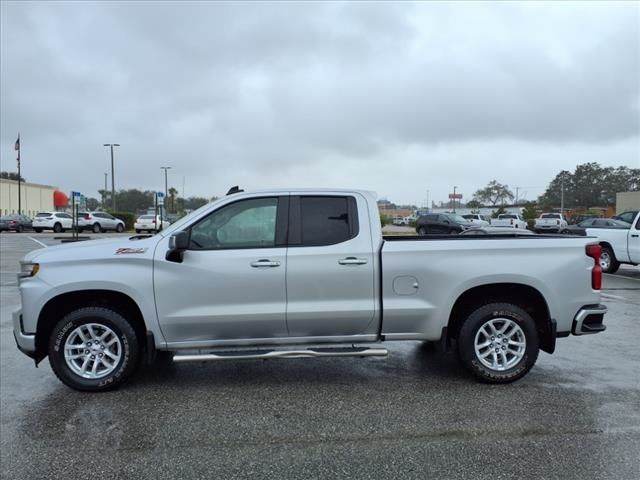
{"x": 35, "y": 198}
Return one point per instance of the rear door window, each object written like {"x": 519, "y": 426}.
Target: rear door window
{"x": 327, "y": 220}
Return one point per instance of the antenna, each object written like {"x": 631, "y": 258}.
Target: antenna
{"x": 234, "y": 189}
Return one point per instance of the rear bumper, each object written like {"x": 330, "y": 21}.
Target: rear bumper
{"x": 589, "y": 320}
{"x": 26, "y": 342}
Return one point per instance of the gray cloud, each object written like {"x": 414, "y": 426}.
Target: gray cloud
{"x": 358, "y": 94}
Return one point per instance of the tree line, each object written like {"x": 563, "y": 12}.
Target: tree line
{"x": 589, "y": 185}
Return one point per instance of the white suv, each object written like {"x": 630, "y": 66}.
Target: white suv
{"x": 56, "y": 221}
{"x": 99, "y": 222}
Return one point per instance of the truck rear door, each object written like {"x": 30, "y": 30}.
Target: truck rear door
{"x": 330, "y": 267}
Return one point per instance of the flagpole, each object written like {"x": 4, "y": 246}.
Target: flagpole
{"x": 19, "y": 180}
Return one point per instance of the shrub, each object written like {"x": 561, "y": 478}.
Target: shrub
{"x": 128, "y": 219}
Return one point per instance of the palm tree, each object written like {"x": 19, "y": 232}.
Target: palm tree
{"x": 172, "y": 195}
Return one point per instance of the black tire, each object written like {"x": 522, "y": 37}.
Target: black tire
{"x": 565, "y": 232}
{"x": 96, "y": 228}
{"x": 422, "y": 231}
{"x": 138, "y": 230}
{"x": 19, "y": 229}
{"x": 37, "y": 230}
{"x": 95, "y": 315}
{"x": 57, "y": 228}
{"x": 453, "y": 232}
{"x": 608, "y": 261}
{"x": 119, "y": 228}
{"x": 478, "y": 319}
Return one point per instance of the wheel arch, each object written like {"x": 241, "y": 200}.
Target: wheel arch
{"x": 525, "y": 296}
{"x": 59, "y": 306}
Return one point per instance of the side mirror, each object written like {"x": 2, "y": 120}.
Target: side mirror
{"x": 178, "y": 243}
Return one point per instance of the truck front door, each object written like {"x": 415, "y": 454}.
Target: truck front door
{"x": 230, "y": 284}
{"x": 330, "y": 267}
{"x": 634, "y": 241}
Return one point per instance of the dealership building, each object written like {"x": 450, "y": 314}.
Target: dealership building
{"x": 34, "y": 198}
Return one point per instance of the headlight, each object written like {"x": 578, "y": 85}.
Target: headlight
{"x": 28, "y": 269}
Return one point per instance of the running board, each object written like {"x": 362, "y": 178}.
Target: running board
{"x": 267, "y": 354}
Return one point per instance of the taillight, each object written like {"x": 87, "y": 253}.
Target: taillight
{"x": 12, "y": 222}
{"x": 153, "y": 221}
{"x": 512, "y": 221}
{"x": 594, "y": 251}
{"x": 87, "y": 217}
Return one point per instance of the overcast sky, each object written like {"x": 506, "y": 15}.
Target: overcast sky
{"x": 399, "y": 98}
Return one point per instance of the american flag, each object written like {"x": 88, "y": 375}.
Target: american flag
{"x": 18, "y": 143}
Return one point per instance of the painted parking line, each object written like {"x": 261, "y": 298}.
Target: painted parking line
{"x": 38, "y": 241}
{"x": 622, "y": 276}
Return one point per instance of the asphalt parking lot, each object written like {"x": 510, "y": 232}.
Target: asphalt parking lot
{"x": 415, "y": 414}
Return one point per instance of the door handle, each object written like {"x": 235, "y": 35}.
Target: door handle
{"x": 352, "y": 261}
{"x": 634, "y": 236}
{"x": 264, "y": 263}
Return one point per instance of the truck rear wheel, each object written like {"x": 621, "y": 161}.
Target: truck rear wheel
{"x": 93, "y": 349}
{"x": 499, "y": 343}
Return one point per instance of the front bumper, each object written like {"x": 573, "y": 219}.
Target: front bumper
{"x": 589, "y": 320}
{"x": 26, "y": 342}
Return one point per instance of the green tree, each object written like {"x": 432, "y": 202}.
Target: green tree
{"x": 92, "y": 203}
{"x": 11, "y": 176}
{"x": 474, "y": 205}
{"x": 497, "y": 212}
{"x": 590, "y": 185}
{"x": 385, "y": 220}
{"x": 493, "y": 193}
{"x": 172, "y": 198}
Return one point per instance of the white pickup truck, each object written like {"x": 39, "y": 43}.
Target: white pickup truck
{"x": 550, "y": 222}
{"x": 301, "y": 273}
{"x": 618, "y": 245}
{"x": 511, "y": 220}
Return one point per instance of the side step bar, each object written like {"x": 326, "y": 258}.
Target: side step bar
{"x": 267, "y": 354}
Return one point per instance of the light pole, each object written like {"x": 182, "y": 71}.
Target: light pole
{"x": 113, "y": 178}
{"x": 454, "y": 198}
{"x": 104, "y": 192}
{"x": 166, "y": 190}
{"x": 428, "y": 206}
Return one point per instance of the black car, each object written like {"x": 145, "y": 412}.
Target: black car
{"x": 627, "y": 217}
{"x": 444, "y": 223}
{"x": 580, "y": 228}
{"x": 15, "y": 222}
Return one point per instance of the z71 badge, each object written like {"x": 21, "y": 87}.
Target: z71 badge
{"x": 125, "y": 251}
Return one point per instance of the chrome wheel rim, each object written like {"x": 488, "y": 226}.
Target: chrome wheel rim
{"x": 605, "y": 260}
{"x": 500, "y": 344}
{"x": 92, "y": 351}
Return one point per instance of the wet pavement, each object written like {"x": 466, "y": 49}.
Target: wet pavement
{"x": 415, "y": 414}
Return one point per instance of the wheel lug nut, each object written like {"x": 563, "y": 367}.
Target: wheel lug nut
{"x": 86, "y": 352}
{"x": 101, "y": 355}
{"x": 493, "y": 338}
{"x": 93, "y": 357}
{"x": 503, "y": 347}
{"x": 88, "y": 344}
{"x": 491, "y": 345}
{"x": 497, "y": 350}
{"x": 102, "y": 347}
{"x": 97, "y": 342}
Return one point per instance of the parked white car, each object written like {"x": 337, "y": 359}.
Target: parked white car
{"x": 56, "y": 221}
{"x": 99, "y": 222}
{"x": 150, "y": 223}
{"x": 477, "y": 219}
{"x": 512, "y": 220}
{"x": 550, "y": 222}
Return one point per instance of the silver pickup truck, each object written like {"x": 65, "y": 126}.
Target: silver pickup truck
{"x": 301, "y": 273}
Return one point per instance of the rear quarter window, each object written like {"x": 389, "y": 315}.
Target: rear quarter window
{"x": 327, "y": 220}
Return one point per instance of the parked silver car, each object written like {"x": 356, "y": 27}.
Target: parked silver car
{"x": 99, "y": 222}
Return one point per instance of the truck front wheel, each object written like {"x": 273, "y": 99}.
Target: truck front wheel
{"x": 93, "y": 349}
{"x": 498, "y": 343}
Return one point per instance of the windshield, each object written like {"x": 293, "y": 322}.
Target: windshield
{"x": 507, "y": 216}
{"x": 41, "y": 215}
{"x": 456, "y": 218}
{"x": 146, "y": 217}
